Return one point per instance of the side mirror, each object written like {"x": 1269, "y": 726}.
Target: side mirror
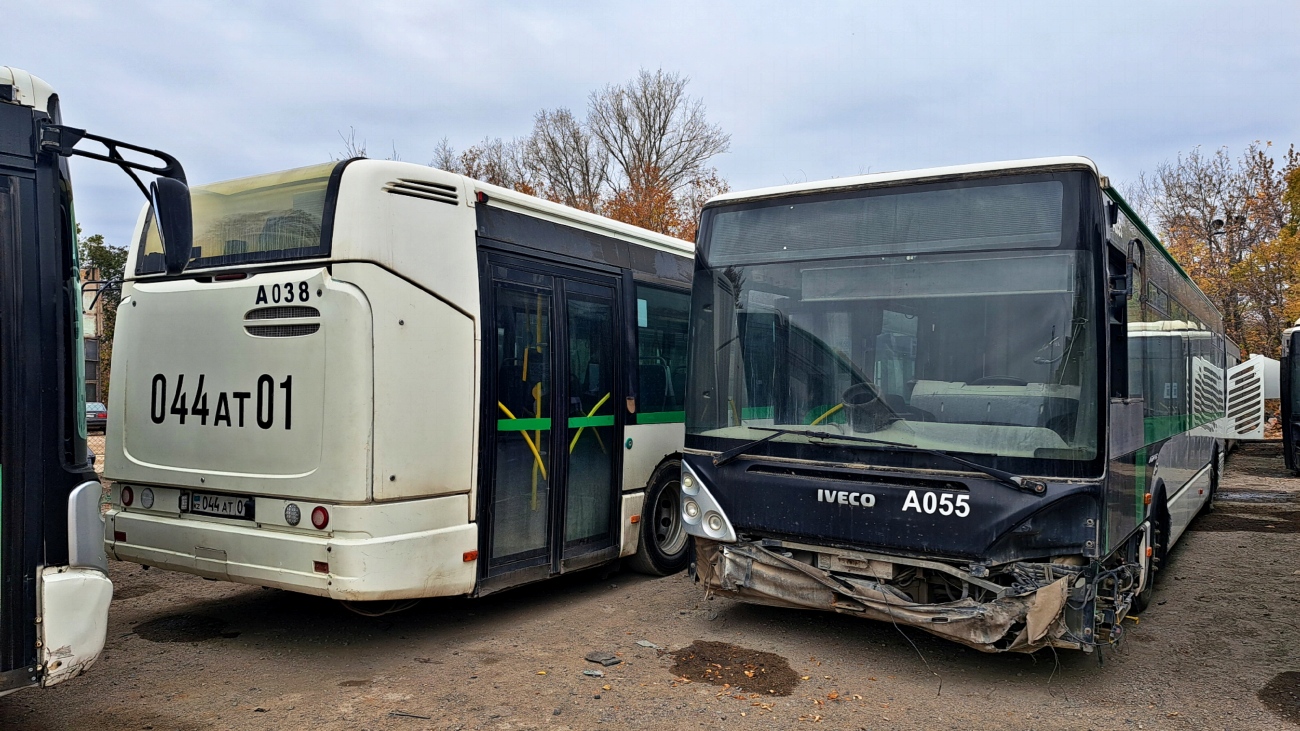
{"x": 174, "y": 221}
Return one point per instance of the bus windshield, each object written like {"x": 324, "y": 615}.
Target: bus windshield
{"x": 251, "y": 220}
{"x": 959, "y": 319}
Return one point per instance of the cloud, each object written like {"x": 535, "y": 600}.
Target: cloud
{"x": 808, "y": 91}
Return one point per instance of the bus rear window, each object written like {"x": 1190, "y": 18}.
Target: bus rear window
{"x": 251, "y": 220}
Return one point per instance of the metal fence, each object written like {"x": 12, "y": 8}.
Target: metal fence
{"x": 95, "y": 443}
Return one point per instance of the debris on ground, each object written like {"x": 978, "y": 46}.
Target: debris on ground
{"x": 594, "y": 673}
{"x": 604, "y": 658}
{"x": 404, "y": 714}
{"x": 727, "y": 665}
{"x": 649, "y": 644}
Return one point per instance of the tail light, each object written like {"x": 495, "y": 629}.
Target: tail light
{"x": 128, "y": 496}
{"x": 320, "y": 517}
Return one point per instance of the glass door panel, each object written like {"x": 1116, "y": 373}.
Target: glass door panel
{"x": 591, "y": 439}
{"x": 523, "y": 465}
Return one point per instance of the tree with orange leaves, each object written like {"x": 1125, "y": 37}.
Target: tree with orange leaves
{"x": 1228, "y": 222}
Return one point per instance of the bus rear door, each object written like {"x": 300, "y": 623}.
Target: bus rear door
{"x": 553, "y": 436}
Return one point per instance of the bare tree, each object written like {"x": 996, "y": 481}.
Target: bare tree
{"x": 640, "y": 156}
{"x": 570, "y": 164}
{"x": 655, "y": 132}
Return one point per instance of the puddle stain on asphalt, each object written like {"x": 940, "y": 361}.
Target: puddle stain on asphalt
{"x": 184, "y": 628}
{"x": 1282, "y": 695}
{"x": 1244, "y": 518}
{"x": 721, "y": 663}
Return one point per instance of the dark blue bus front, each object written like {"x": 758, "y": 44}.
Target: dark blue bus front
{"x": 896, "y": 404}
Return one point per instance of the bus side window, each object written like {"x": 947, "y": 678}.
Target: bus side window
{"x": 661, "y": 318}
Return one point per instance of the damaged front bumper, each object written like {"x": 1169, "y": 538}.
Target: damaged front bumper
{"x": 1022, "y": 618}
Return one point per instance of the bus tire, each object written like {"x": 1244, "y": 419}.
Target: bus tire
{"x": 1216, "y": 474}
{"x": 1158, "y": 540}
{"x": 661, "y": 549}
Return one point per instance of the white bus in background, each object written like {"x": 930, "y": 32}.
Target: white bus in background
{"x": 382, "y": 381}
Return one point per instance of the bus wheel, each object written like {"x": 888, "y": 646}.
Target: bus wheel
{"x": 662, "y": 548}
{"x": 1156, "y": 538}
{"x": 1216, "y": 474}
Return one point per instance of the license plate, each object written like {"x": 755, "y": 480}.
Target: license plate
{"x": 221, "y": 506}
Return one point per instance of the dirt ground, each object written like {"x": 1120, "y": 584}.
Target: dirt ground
{"x": 184, "y": 653}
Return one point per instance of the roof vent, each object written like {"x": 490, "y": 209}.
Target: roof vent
{"x": 423, "y": 189}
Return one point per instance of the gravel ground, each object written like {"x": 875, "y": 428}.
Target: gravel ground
{"x": 184, "y": 653}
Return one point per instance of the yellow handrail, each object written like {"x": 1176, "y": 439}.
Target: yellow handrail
{"x": 834, "y": 408}
{"x": 536, "y": 454}
{"x": 594, "y": 409}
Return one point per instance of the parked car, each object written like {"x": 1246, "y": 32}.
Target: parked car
{"x": 96, "y": 416}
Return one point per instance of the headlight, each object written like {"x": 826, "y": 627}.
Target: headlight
{"x": 688, "y": 483}
{"x": 714, "y": 522}
{"x": 691, "y": 509}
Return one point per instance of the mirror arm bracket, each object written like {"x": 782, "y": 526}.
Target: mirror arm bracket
{"x": 62, "y": 140}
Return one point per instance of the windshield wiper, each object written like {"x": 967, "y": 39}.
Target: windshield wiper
{"x": 1024, "y": 484}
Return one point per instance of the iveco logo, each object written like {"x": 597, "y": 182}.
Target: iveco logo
{"x": 844, "y": 497}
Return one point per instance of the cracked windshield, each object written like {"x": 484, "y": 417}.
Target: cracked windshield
{"x": 953, "y": 317}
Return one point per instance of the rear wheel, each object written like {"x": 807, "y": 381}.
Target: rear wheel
{"x": 662, "y": 547}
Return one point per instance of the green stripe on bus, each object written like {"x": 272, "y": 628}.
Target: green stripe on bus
{"x": 579, "y": 421}
{"x": 523, "y": 424}
{"x": 662, "y": 417}
{"x": 756, "y": 412}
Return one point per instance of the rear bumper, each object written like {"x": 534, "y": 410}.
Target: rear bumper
{"x": 347, "y": 566}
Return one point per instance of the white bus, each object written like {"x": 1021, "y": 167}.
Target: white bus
{"x": 382, "y": 381}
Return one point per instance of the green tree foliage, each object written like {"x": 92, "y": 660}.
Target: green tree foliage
{"x": 105, "y": 262}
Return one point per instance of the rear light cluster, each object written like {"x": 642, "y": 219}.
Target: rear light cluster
{"x": 128, "y": 496}
{"x": 320, "y": 516}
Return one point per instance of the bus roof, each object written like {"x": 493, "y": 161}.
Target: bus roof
{"x": 29, "y": 91}
{"x": 532, "y": 205}
{"x": 856, "y": 181}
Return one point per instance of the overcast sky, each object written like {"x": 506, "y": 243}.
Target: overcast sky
{"x": 807, "y": 90}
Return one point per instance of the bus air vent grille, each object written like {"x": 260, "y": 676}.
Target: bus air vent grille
{"x": 279, "y": 313}
{"x": 423, "y": 189}
{"x": 281, "y": 331}
{"x": 1245, "y": 407}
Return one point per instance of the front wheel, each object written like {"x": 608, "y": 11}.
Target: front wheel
{"x": 662, "y": 547}
{"x": 1156, "y": 539}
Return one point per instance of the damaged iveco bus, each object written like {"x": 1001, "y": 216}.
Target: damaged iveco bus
{"x": 982, "y": 400}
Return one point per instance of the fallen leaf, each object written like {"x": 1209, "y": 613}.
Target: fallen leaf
{"x": 604, "y": 687}
{"x": 806, "y": 677}
{"x": 541, "y": 672}
{"x": 833, "y": 695}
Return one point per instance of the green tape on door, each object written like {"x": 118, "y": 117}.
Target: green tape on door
{"x": 590, "y": 421}
{"x": 524, "y": 424}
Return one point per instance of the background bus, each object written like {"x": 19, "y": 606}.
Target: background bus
{"x": 1289, "y": 378}
{"x": 382, "y": 381}
{"x": 980, "y": 400}
{"x": 54, "y": 589}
